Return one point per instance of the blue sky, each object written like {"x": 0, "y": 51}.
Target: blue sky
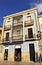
{"x": 8, "y": 7}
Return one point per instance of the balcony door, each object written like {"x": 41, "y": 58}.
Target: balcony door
{"x": 7, "y": 36}
{"x": 30, "y": 33}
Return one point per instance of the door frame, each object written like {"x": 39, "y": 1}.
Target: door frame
{"x": 33, "y": 51}
{"x": 17, "y": 48}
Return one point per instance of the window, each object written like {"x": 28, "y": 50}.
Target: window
{"x": 30, "y": 33}
{"x": 7, "y": 36}
{"x": 0, "y": 48}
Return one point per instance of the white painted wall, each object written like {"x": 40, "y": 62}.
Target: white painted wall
{"x": 11, "y": 48}
{"x": 33, "y": 15}
{"x": 40, "y": 22}
{"x": 25, "y": 46}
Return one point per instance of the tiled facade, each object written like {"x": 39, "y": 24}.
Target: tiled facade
{"x": 21, "y": 38}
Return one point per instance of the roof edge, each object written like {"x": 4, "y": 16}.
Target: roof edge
{"x": 21, "y": 12}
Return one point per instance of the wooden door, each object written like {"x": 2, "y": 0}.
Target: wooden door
{"x": 32, "y": 52}
{"x": 7, "y": 36}
{"x": 30, "y": 33}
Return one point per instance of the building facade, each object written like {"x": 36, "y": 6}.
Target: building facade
{"x": 40, "y": 26}
{"x": 21, "y": 36}
{"x": 1, "y": 46}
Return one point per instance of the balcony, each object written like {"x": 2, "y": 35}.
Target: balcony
{"x": 7, "y": 27}
{"x": 18, "y": 23}
{"x": 33, "y": 38}
{"x": 29, "y": 23}
{"x": 29, "y": 39}
{"x": 18, "y": 38}
{"x": 6, "y": 40}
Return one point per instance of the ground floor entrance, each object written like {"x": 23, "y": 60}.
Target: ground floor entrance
{"x": 5, "y": 52}
{"x": 26, "y": 52}
{"x": 17, "y": 54}
{"x": 32, "y": 52}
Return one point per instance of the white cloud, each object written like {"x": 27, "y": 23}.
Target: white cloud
{"x": 39, "y": 7}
